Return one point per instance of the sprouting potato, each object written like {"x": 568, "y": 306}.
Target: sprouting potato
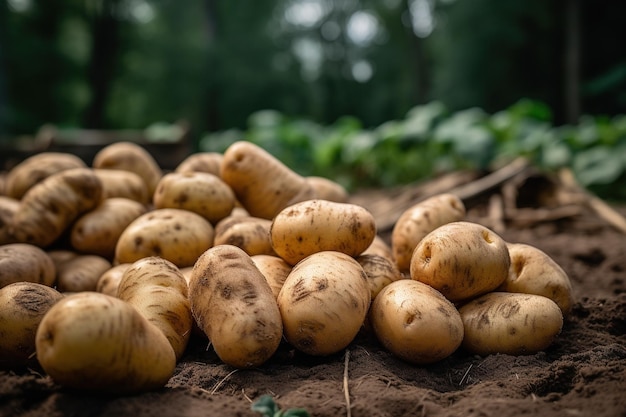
{"x": 274, "y": 269}
{"x": 252, "y": 234}
{"x": 461, "y": 260}
{"x": 235, "y": 307}
{"x": 324, "y": 302}
{"x": 421, "y": 219}
{"x": 305, "y": 228}
{"x": 81, "y": 273}
{"x": 416, "y": 322}
{"x": 510, "y": 323}
{"x": 94, "y": 342}
{"x": 25, "y": 262}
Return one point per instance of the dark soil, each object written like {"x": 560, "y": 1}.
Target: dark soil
{"x": 582, "y": 374}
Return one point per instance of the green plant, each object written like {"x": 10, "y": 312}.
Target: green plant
{"x": 268, "y": 408}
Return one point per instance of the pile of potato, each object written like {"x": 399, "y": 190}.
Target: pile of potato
{"x": 107, "y": 271}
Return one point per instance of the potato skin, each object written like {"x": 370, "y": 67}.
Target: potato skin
{"x": 510, "y": 323}
{"x": 94, "y": 342}
{"x": 532, "y": 271}
{"x": 327, "y": 189}
{"x": 118, "y": 183}
{"x": 252, "y": 234}
{"x": 210, "y": 162}
{"x": 380, "y": 271}
{"x": 305, "y": 228}
{"x": 416, "y": 322}
{"x": 462, "y": 260}
{"x": 109, "y": 281}
{"x": 81, "y": 273}
{"x": 179, "y": 236}
{"x": 22, "y": 306}
{"x": 8, "y": 207}
{"x": 274, "y": 269}
{"x": 26, "y": 262}
{"x": 421, "y": 219}
{"x": 324, "y": 302}
{"x": 235, "y": 307}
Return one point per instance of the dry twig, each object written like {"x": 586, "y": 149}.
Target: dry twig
{"x": 346, "y": 393}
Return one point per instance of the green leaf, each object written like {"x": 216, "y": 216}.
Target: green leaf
{"x": 266, "y": 406}
{"x": 599, "y": 165}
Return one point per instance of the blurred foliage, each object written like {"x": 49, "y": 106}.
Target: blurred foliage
{"x": 432, "y": 139}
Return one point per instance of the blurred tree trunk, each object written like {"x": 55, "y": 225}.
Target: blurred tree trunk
{"x": 572, "y": 104}
{"x": 4, "y": 104}
{"x": 212, "y": 33}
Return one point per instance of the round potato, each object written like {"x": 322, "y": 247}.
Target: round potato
{"x": 210, "y": 162}
{"x": 94, "y": 342}
{"x": 274, "y": 269}
{"x": 380, "y": 271}
{"x": 81, "y": 273}
{"x": 199, "y": 192}
{"x": 22, "y": 306}
{"x": 461, "y": 260}
{"x": 252, "y": 234}
{"x": 109, "y": 281}
{"x": 25, "y": 262}
{"x": 324, "y": 302}
{"x": 233, "y": 304}
{"x": 510, "y": 323}
{"x": 179, "y": 236}
{"x": 416, "y": 322}
{"x": 532, "y": 271}
{"x": 311, "y": 226}
{"x": 421, "y": 219}
{"x": 118, "y": 183}
{"x": 97, "y": 231}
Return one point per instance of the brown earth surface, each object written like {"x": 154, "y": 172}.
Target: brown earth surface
{"x": 583, "y": 373}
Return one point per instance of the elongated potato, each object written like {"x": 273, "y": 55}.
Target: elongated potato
{"x": 305, "y": 228}
{"x": 158, "y": 290}
{"x": 8, "y": 207}
{"x": 324, "y": 302}
{"x": 274, "y": 269}
{"x": 199, "y": 192}
{"x": 22, "y": 306}
{"x": 109, "y": 281}
{"x": 210, "y": 162}
{"x": 131, "y": 157}
{"x": 421, "y": 219}
{"x": 262, "y": 183}
{"x": 36, "y": 168}
{"x": 94, "y": 342}
{"x": 179, "y": 236}
{"x": 49, "y": 207}
{"x": 233, "y": 304}
{"x": 81, "y": 273}
{"x": 252, "y": 234}
{"x": 510, "y": 323}
{"x": 327, "y": 189}
{"x": 380, "y": 272}
{"x": 532, "y": 271}
{"x": 462, "y": 260}
{"x": 118, "y": 183}
{"x": 25, "y": 262}
{"x": 97, "y": 231}
{"x": 416, "y": 322}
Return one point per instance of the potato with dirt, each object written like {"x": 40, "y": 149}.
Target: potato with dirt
{"x": 462, "y": 260}
{"x": 97, "y": 231}
{"x": 252, "y": 234}
{"x": 234, "y": 306}
{"x": 421, "y": 219}
{"x": 510, "y": 323}
{"x": 262, "y": 183}
{"x": 26, "y": 262}
{"x": 180, "y": 236}
{"x": 158, "y": 290}
{"x": 50, "y": 207}
{"x": 81, "y": 273}
{"x": 416, "y": 322}
{"x": 380, "y": 271}
{"x": 118, "y": 183}
{"x": 311, "y": 226}
{"x": 94, "y": 342}
{"x": 22, "y": 306}
{"x": 324, "y": 302}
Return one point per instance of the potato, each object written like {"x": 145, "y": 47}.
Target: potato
{"x": 49, "y": 207}
{"x": 262, "y": 183}
{"x": 158, "y": 290}
{"x": 380, "y": 272}
{"x": 274, "y": 269}
{"x": 59, "y": 256}
{"x": 22, "y": 306}
{"x": 379, "y": 247}
{"x": 94, "y": 342}
{"x": 421, "y": 219}
{"x": 129, "y": 156}
{"x": 532, "y": 271}
{"x": 25, "y": 262}
{"x": 110, "y": 279}
{"x": 320, "y": 225}
{"x": 36, "y": 168}
{"x": 199, "y": 192}
{"x": 97, "y": 231}
{"x": 179, "y": 236}
{"x": 327, "y": 189}
{"x": 210, "y": 162}
{"x": 416, "y": 322}
{"x": 233, "y": 304}
{"x": 510, "y": 323}
{"x": 252, "y": 234}
{"x": 118, "y": 183}
{"x": 324, "y": 302}
{"x": 81, "y": 273}
{"x": 462, "y": 260}
{"x": 8, "y": 207}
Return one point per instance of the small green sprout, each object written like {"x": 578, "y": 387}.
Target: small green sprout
{"x": 268, "y": 408}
